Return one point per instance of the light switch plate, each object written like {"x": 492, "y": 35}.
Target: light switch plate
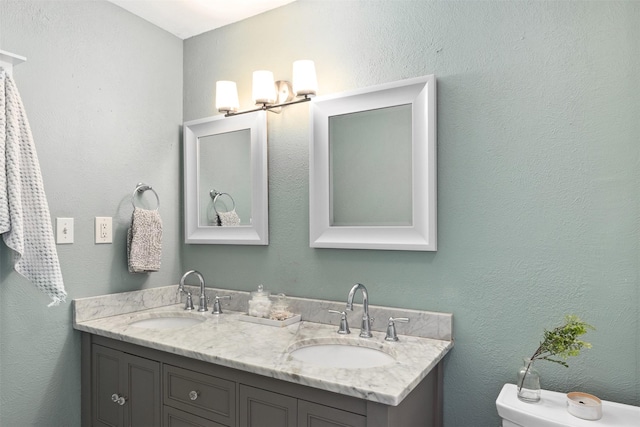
{"x": 64, "y": 231}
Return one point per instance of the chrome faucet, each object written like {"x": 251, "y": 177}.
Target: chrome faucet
{"x": 365, "y": 330}
{"x": 203, "y": 297}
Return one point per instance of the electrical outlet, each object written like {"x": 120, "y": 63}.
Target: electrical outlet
{"x": 104, "y": 230}
{"x": 64, "y": 231}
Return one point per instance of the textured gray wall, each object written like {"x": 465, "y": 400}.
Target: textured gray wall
{"x": 103, "y": 93}
{"x": 538, "y": 176}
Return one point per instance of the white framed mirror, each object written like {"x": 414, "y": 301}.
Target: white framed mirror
{"x": 372, "y": 168}
{"x": 225, "y": 180}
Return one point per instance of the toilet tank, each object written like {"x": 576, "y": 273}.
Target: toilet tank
{"x": 551, "y": 411}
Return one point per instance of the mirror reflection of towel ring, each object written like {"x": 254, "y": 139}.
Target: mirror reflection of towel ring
{"x": 141, "y": 188}
{"x": 216, "y": 194}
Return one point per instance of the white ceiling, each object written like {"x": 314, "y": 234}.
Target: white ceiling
{"x": 188, "y": 18}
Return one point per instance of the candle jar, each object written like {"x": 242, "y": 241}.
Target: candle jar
{"x": 280, "y": 308}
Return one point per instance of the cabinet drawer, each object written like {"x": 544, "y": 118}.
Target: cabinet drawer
{"x": 176, "y": 418}
{"x": 314, "y": 415}
{"x": 215, "y": 398}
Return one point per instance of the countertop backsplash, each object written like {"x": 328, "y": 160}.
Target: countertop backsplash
{"x": 423, "y": 324}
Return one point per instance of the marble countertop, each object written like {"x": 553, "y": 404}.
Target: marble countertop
{"x": 265, "y": 350}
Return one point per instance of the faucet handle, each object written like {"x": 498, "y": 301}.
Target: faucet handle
{"x": 391, "y": 328}
{"x": 217, "y": 308}
{"x": 344, "y": 325}
{"x": 188, "y": 305}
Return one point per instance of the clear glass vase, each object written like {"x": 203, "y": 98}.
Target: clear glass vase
{"x": 528, "y": 382}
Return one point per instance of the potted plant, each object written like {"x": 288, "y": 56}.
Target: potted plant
{"x": 558, "y": 345}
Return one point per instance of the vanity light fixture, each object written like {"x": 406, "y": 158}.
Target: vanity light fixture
{"x": 267, "y": 94}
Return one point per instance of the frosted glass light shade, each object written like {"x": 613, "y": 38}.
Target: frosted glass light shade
{"x": 264, "y": 89}
{"x": 304, "y": 78}
{"x": 226, "y": 96}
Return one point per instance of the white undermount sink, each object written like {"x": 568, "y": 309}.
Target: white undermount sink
{"x": 341, "y": 356}
{"x": 169, "y": 321}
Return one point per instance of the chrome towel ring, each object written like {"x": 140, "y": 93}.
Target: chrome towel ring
{"x": 141, "y": 188}
{"x": 215, "y": 194}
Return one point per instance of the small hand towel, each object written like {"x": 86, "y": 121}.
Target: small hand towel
{"x": 144, "y": 241}
{"x": 25, "y": 222}
{"x": 229, "y": 219}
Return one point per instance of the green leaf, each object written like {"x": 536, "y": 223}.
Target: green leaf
{"x": 563, "y": 341}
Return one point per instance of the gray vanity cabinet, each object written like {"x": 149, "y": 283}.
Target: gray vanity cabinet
{"x": 125, "y": 389}
{"x": 164, "y": 389}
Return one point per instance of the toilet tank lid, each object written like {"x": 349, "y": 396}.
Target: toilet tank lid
{"x": 551, "y": 411}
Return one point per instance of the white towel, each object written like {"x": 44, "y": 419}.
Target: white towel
{"x": 25, "y": 222}
{"x": 144, "y": 241}
{"x": 228, "y": 219}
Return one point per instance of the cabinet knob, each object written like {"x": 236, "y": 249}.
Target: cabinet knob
{"x": 193, "y": 394}
{"x": 120, "y": 400}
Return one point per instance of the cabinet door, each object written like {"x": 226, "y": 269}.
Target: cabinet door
{"x": 105, "y": 380}
{"x": 143, "y": 405}
{"x": 126, "y": 389}
{"x": 261, "y": 408}
{"x": 314, "y": 415}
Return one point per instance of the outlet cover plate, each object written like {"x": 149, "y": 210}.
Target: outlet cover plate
{"x": 104, "y": 229}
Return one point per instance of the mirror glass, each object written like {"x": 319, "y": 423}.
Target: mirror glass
{"x": 373, "y": 168}
{"x": 376, "y": 141}
{"x": 224, "y": 167}
{"x": 226, "y": 185}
